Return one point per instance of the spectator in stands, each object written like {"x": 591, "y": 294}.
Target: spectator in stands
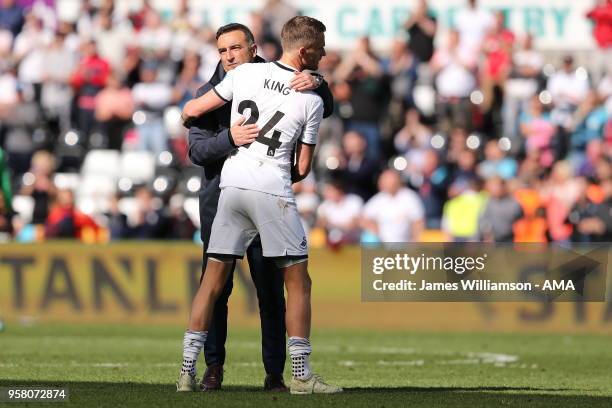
{"x": 188, "y": 79}
{"x": 9, "y": 96}
{"x": 568, "y": 87}
{"x": 154, "y": 38}
{"x": 431, "y": 181}
{"x": 560, "y": 194}
{"x": 89, "y": 78}
{"x": 402, "y": 68}
{"x": 497, "y": 49}
{"x": 603, "y": 168}
{"x": 28, "y": 50}
{"x": 275, "y": 14}
{"x": 454, "y": 67}
{"x": 581, "y": 217}
{"x": 117, "y": 223}
{"x": 457, "y": 143}
{"x": 538, "y": 130}
{"x": 413, "y": 139}
{"x": 532, "y": 227}
{"x": 151, "y": 221}
{"x": 522, "y": 84}
{"x": 39, "y": 185}
{"x": 137, "y": 16}
{"x": 369, "y": 93}
{"x": 593, "y": 221}
{"x": 473, "y": 23}
{"x": 114, "y": 109}
{"x": 6, "y": 43}
{"x": 500, "y": 213}
{"x": 18, "y": 120}
{"x": 594, "y": 154}
{"x": 84, "y": 23}
{"x": 601, "y": 16}
{"x": 307, "y": 201}
{"x": 588, "y": 124}
{"x": 496, "y": 163}
{"x": 112, "y": 39}
{"x": 357, "y": 171}
{"x": 65, "y": 221}
{"x": 421, "y": 27}
{"x": 181, "y": 225}
{"x": 59, "y": 63}
{"x": 461, "y": 214}
{"x": 151, "y": 97}
{"x": 11, "y": 16}
{"x": 395, "y": 213}
{"x": 339, "y": 214}
{"x": 465, "y": 169}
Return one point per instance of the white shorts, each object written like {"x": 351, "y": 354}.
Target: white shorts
{"x": 241, "y": 214}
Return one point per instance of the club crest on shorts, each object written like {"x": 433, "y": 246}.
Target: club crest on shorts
{"x": 304, "y": 243}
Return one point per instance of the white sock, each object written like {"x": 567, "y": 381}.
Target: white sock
{"x": 299, "y": 350}
{"x": 193, "y": 343}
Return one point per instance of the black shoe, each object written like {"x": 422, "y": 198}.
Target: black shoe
{"x": 213, "y": 377}
{"x": 275, "y": 383}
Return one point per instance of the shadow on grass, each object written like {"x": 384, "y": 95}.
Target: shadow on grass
{"x": 107, "y": 394}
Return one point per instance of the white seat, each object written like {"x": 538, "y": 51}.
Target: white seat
{"x": 24, "y": 206}
{"x": 93, "y": 205}
{"x": 97, "y": 186}
{"x": 70, "y": 181}
{"x": 101, "y": 162}
{"x": 94, "y": 194}
{"x": 138, "y": 166}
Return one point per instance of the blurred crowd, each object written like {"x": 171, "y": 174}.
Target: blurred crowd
{"x": 465, "y": 133}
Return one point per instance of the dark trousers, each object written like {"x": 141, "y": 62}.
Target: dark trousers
{"x": 269, "y": 284}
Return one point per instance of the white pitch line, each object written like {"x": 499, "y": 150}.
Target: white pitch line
{"x": 401, "y": 363}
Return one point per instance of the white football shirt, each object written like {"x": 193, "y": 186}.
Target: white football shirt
{"x": 260, "y": 92}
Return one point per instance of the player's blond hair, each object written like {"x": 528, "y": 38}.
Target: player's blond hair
{"x": 301, "y": 31}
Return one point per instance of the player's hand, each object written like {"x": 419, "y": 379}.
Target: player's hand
{"x": 243, "y": 134}
{"x": 303, "y": 81}
{"x": 188, "y": 115}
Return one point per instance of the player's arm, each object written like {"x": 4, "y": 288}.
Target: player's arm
{"x": 304, "y": 154}
{"x": 213, "y": 99}
{"x": 201, "y": 105}
{"x": 304, "y": 149}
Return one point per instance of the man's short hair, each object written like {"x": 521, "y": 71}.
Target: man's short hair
{"x": 236, "y": 27}
{"x": 301, "y": 31}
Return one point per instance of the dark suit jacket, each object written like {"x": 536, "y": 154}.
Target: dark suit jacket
{"x": 210, "y": 143}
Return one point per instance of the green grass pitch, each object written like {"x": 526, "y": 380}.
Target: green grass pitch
{"x": 118, "y": 366}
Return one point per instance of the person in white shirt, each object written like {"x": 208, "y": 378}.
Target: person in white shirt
{"x": 396, "y": 213}
{"x": 527, "y": 64}
{"x": 112, "y": 39}
{"x": 568, "y": 86}
{"x": 473, "y": 23}
{"x": 256, "y": 195}
{"x": 152, "y": 96}
{"x": 454, "y": 67}
{"x": 339, "y": 214}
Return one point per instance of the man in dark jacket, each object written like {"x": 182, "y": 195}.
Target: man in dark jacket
{"x": 211, "y": 139}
